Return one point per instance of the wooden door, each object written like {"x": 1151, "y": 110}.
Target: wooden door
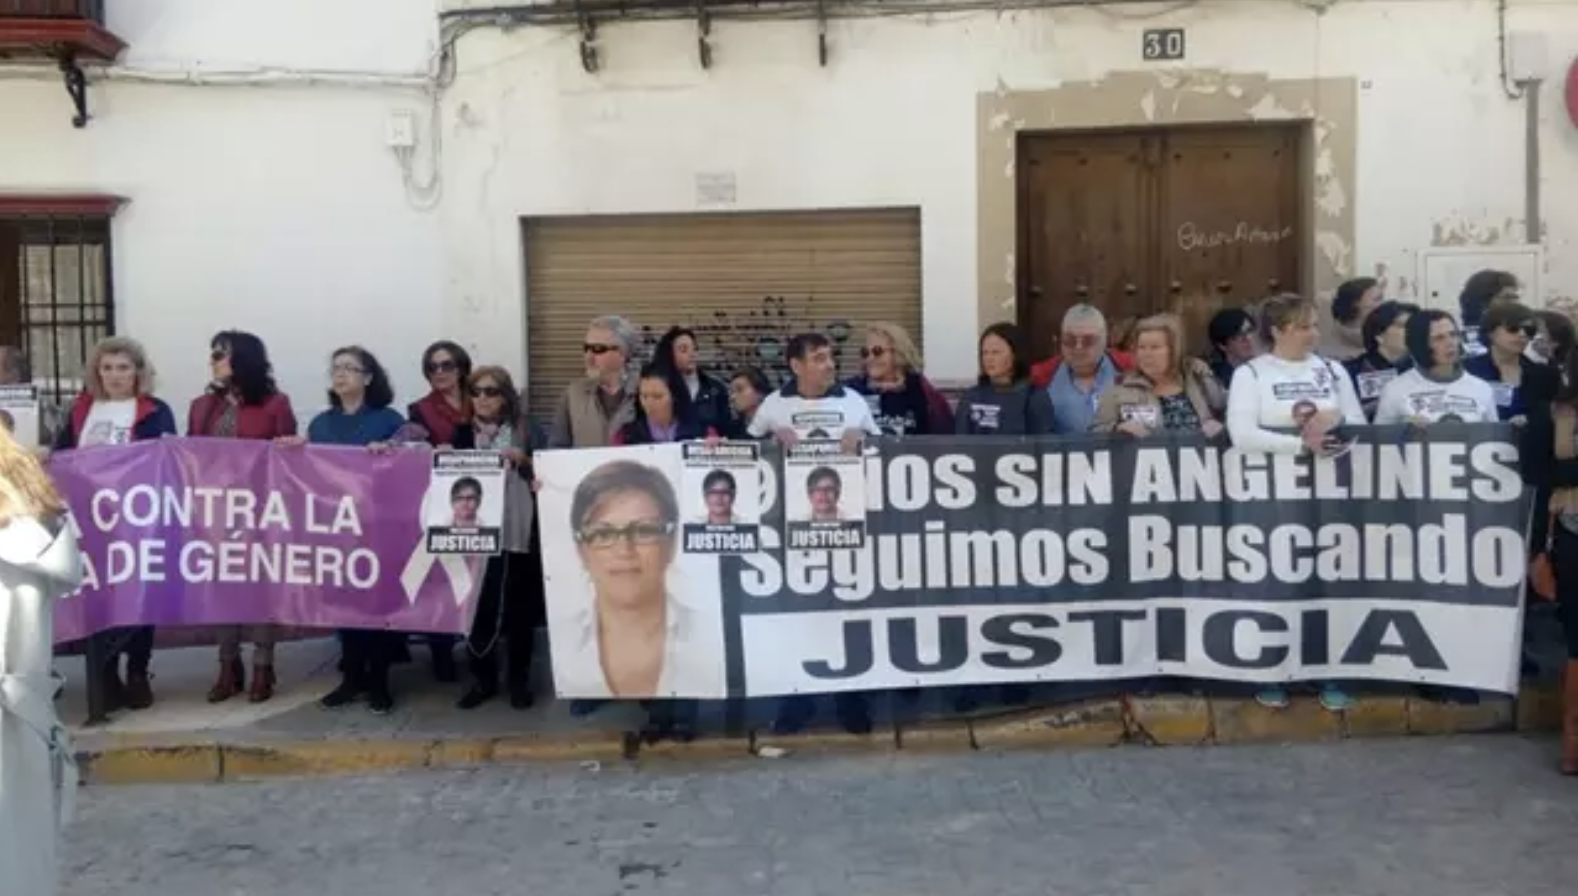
{"x": 1228, "y": 221}
{"x": 1082, "y": 231}
{"x": 1186, "y": 220}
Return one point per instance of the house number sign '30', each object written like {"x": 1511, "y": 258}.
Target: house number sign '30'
{"x": 1162, "y": 44}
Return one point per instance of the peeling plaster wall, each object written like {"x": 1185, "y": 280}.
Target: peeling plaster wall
{"x": 1414, "y": 143}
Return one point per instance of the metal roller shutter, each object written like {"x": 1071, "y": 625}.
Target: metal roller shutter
{"x": 744, "y": 282}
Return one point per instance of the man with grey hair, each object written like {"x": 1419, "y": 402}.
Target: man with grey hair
{"x": 1075, "y": 387}
{"x": 595, "y": 407}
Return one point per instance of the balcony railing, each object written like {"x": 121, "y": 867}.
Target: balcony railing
{"x": 82, "y": 10}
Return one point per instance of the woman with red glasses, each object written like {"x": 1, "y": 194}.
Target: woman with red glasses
{"x": 435, "y": 419}
{"x": 243, "y": 402}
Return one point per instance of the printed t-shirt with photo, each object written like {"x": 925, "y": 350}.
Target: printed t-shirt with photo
{"x": 109, "y": 423}
{"x": 825, "y": 417}
{"x": 1271, "y": 394}
{"x": 1414, "y": 396}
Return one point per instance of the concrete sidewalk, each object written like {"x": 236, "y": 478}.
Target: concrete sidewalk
{"x": 184, "y": 738}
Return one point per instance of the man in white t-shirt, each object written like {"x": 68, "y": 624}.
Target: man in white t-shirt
{"x": 813, "y": 405}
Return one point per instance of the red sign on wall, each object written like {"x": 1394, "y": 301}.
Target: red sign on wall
{"x": 1572, "y": 93}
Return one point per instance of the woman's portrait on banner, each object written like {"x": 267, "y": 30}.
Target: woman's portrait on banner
{"x": 638, "y": 626}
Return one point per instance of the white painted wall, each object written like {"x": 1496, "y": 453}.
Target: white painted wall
{"x": 892, "y": 121}
{"x": 276, "y": 209}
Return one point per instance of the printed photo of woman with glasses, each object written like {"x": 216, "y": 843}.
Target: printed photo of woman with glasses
{"x": 633, "y": 637}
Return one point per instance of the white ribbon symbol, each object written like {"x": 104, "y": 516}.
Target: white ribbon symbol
{"x": 421, "y": 563}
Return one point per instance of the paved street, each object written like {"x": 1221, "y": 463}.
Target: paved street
{"x": 1472, "y": 816}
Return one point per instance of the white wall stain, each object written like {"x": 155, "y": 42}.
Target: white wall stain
{"x": 1148, "y": 105}
{"x": 1009, "y": 276}
{"x": 1336, "y": 250}
{"x": 998, "y": 121}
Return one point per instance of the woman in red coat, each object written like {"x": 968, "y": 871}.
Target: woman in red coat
{"x": 242, "y": 403}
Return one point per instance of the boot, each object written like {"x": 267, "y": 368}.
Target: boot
{"x": 484, "y": 682}
{"x": 262, "y": 684}
{"x": 114, "y": 689}
{"x": 232, "y": 679}
{"x": 1570, "y": 720}
{"x": 139, "y": 689}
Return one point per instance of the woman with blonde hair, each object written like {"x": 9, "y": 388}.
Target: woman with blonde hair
{"x": 1166, "y": 390}
{"x": 39, "y": 563}
{"x": 117, "y": 407}
{"x": 1291, "y": 400}
{"x": 903, "y": 401}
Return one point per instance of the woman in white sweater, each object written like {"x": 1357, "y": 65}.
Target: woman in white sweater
{"x": 1291, "y": 401}
{"x": 1437, "y": 389}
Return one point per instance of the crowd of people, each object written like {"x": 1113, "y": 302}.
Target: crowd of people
{"x": 1264, "y": 382}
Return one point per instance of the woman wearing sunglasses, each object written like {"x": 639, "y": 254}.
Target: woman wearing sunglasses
{"x": 1519, "y": 383}
{"x": 434, "y": 419}
{"x": 903, "y": 401}
{"x": 242, "y": 402}
{"x": 510, "y": 603}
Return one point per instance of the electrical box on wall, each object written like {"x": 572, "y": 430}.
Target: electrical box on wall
{"x": 401, "y": 130}
{"x": 1442, "y": 272}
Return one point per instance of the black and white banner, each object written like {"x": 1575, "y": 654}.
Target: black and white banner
{"x": 1003, "y": 560}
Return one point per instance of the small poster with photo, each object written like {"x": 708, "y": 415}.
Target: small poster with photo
{"x": 463, "y": 511}
{"x": 720, "y": 498}
{"x": 824, "y": 497}
{"x": 19, "y": 413}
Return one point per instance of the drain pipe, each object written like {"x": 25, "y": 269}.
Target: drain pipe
{"x": 1533, "y": 226}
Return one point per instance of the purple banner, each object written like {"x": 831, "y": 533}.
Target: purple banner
{"x": 220, "y": 531}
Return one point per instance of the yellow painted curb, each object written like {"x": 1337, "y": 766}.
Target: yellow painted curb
{"x": 593, "y": 746}
{"x": 1247, "y": 722}
{"x": 1097, "y": 723}
{"x": 879, "y": 740}
{"x": 324, "y": 758}
{"x": 1540, "y": 709}
{"x": 189, "y": 764}
{"x": 1430, "y": 717}
{"x": 466, "y": 751}
{"x": 936, "y": 737}
{"x": 1169, "y": 721}
{"x": 700, "y": 748}
{"x": 1376, "y": 717}
{"x": 1161, "y": 721}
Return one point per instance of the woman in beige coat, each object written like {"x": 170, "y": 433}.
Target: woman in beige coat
{"x": 1167, "y": 389}
{"x": 39, "y": 562}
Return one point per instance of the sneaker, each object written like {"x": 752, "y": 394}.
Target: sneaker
{"x": 379, "y": 703}
{"x": 1333, "y": 699}
{"x": 1273, "y": 698}
{"x": 344, "y": 695}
